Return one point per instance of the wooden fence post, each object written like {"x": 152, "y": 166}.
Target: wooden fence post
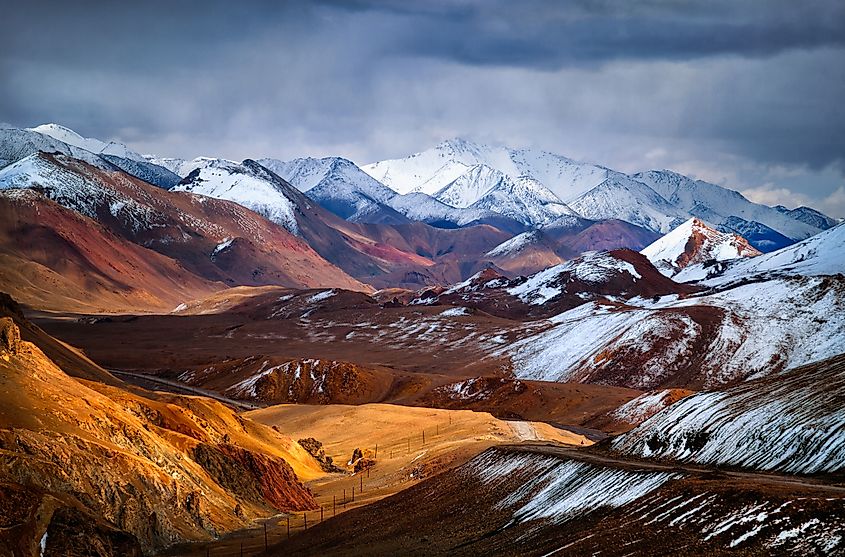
{"x": 265, "y": 536}
{"x": 334, "y": 505}
{"x": 288, "y": 526}
{"x": 321, "y": 513}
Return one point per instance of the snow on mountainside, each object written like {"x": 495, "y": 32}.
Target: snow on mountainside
{"x": 790, "y": 422}
{"x": 459, "y": 173}
{"x": 526, "y": 201}
{"x": 703, "y": 340}
{"x": 145, "y": 170}
{"x": 89, "y": 144}
{"x": 822, "y": 254}
{"x": 17, "y": 144}
{"x": 809, "y": 216}
{"x": 423, "y": 207}
{"x": 339, "y": 186}
{"x": 620, "y": 197}
{"x": 762, "y": 315}
{"x": 620, "y": 274}
{"x": 432, "y": 170}
{"x": 470, "y": 186}
{"x": 692, "y": 243}
{"x": 715, "y": 204}
{"x": 308, "y": 173}
{"x": 72, "y": 190}
{"x": 215, "y": 239}
{"x": 592, "y": 267}
{"x": 180, "y": 167}
{"x": 244, "y": 185}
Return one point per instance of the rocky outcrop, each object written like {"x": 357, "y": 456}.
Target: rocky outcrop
{"x": 315, "y": 449}
{"x": 254, "y": 477}
{"x": 10, "y": 337}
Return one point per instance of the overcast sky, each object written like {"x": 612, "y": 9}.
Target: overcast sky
{"x": 747, "y": 94}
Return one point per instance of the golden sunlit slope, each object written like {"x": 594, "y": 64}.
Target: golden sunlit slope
{"x": 162, "y": 468}
{"x": 406, "y": 443}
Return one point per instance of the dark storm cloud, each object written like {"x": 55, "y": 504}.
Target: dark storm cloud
{"x": 547, "y": 34}
{"x": 745, "y": 91}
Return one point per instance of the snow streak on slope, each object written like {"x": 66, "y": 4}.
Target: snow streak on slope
{"x": 470, "y": 186}
{"x": 309, "y": 173}
{"x": 646, "y": 405}
{"x": 694, "y": 242}
{"x": 558, "y": 490}
{"x": 792, "y": 422}
{"x": 236, "y": 182}
{"x": 70, "y": 137}
{"x": 422, "y": 207}
{"x": 526, "y": 201}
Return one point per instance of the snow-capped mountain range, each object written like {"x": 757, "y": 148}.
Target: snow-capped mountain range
{"x": 460, "y": 173}
{"x": 455, "y": 184}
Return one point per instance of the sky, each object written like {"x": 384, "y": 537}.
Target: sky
{"x": 746, "y": 94}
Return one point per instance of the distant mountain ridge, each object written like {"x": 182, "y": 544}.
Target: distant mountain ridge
{"x": 458, "y": 172}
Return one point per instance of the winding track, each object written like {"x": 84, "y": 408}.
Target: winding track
{"x": 609, "y": 459}
{"x": 140, "y": 379}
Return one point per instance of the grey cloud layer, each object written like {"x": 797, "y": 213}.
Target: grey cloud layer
{"x": 747, "y": 93}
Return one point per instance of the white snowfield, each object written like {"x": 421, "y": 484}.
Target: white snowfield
{"x": 670, "y": 254}
{"x": 470, "y": 181}
{"x": 335, "y": 183}
{"x": 460, "y": 173}
{"x": 620, "y": 197}
{"x": 432, "y": 170}
{"x": 236, "y": 182}
{"x": 791, "y": 423}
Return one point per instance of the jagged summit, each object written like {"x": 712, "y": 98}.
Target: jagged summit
{"x": 695, "y": 242}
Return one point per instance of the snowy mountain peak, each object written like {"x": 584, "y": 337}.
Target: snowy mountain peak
{"x": 248, "y": 184}
{"x": 695, "y": 242}
{"x": 470, "y": 186}
{"x": 70, "y": 137}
